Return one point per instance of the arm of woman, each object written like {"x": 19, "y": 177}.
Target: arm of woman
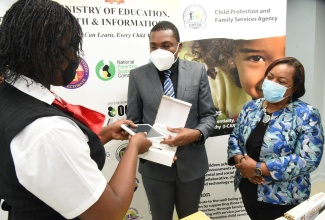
{"x": 235, "y": 143}
{"x": 54, "y": 164}
{"x": 117, "y": 196}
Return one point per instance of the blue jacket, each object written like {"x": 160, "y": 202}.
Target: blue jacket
{"x": 292, "y": 148}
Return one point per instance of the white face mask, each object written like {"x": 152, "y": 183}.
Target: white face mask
{"x": 163, "y": 59}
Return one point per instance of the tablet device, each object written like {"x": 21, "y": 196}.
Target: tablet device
{"x": 152, "y": 133}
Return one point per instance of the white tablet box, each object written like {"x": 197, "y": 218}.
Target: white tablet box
{"x": 171, "y": 113}
{"x": 309, "y": 209}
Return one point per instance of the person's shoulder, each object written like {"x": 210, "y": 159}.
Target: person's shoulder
{"x": 141, "y": 69}
{"x": 302, "y": 107}
{"x": 254, "y": 104}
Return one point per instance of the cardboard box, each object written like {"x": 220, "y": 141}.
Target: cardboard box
{"x": 171, "y": 113}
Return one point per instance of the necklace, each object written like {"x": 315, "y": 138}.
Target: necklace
{"x": 266, "y": 117}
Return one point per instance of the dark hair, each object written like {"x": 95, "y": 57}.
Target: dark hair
{"x": 216, "y": 53}
{"x": 298, "y": 76}
{"x": 31, "y": 40}
{"x": 166, "y": 25}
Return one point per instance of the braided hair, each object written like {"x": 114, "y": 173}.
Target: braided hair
{"x": 35, "y": 36}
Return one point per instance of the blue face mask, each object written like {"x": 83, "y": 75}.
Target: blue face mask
{"x": 273, "y": 92}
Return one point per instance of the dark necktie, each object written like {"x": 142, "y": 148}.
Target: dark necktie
{"x": 168, "y": 85}
{"x": 92, "y": 119}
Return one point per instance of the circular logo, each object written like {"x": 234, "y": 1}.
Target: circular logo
{"x": 120, "y": 151}
{"x": 111, "y": 111}
{"x": 105, "y": 70}
{"x": 131, "y": 214}
{"x": 194, "y": 16}
{"x": 81, "y": 77}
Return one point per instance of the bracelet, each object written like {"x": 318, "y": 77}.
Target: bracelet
{"x": 239, "y": 161}
{"x": 201, "y": 137}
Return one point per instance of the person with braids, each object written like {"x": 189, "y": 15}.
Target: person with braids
{"x": 235, "y": 69}
{"x": 277, "y": 142}
{"x": 50, "y": 160}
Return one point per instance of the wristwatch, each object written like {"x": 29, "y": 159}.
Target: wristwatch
{"x": 258, "y": 171}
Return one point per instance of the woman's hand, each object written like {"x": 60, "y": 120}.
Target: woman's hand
{"x": 256, "y": 179}
{"x": 114, "y": 131}
{"x": 140, "y": 141}
{"x": 246, "y": 169}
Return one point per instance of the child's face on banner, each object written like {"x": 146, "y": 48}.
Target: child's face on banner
{"x": 252, "y": 58}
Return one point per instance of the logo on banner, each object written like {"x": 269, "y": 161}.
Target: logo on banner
{"x": 81, "y": 77}
{"x": 120, "y": 151}
{"x": 194, "y": 16}
{"x": 115, "y": 1}
{"x": 116, "y": 111}
{"x": 132, "y": 214}
{"x": 105, "y": 70}
{"x": 111, "y": 111}
{"x": 120, "y": 110}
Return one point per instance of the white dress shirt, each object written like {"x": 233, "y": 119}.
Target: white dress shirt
{"x": 52, "y": 160}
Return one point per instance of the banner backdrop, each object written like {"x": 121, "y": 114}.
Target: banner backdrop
{"x": 235, "y": 39}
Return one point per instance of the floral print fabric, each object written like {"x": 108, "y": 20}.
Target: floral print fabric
{"x": 292, "y": 148}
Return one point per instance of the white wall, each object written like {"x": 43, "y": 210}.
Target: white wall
{"x": 319, "y": 80}
{"x": 305, "y": 34}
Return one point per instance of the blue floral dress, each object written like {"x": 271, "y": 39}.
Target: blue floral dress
{"x": 292, "y": 148}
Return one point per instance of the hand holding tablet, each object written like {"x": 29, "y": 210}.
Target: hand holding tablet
{"x": 152, "y": 133}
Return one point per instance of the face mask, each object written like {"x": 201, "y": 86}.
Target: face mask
{"x": 273, "y": 92}
{"x": 70, "y": 72}
{"x": 163, "y": 59}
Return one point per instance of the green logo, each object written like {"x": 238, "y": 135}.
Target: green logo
{"x": 105, "y": 71}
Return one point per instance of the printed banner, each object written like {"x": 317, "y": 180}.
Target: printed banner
{"x": 235, "y": 39}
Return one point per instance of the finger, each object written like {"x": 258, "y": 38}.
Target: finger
{"x": 169, "y": 141}
{"x": 174, "y": 130}
{"x": 168, "y": 138}
{"x": 247, "y": 157}
{"x": 129, "y": 122}
{"x": 124, "y": 135}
